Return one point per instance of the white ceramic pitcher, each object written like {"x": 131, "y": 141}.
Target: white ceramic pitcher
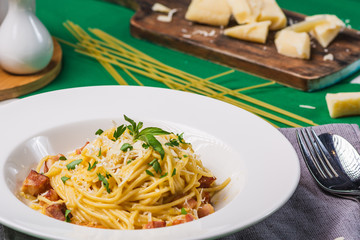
{"x": 26, "y": 46}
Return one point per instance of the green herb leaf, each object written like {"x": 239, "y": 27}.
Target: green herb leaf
{"x": 185, "y": 156}
{"x": 99, "y": 132}
{"x": 62, "y": 158}
{"x": 104, "y": 181}
{"x": 73, "y": 164}
{"x": 154, "y": 143}
{"x": 164, "y": 175}
{"x": 133, "y": 128}
{"x": 183, "y": 211}
{"x": 145, "y": 146}
{"x": 108, "y": 175}
{"x": 119, "y": 131}
{"x": 173, "y": 172}
{"x": 181, "y": 138}
{"x": 91, "y": 167}
{"x": 67, "y": 215}
{"x": 129, "y": 161}
{"x": 64, "y": 179}
{"x": 156, "y": 165}
{"x": 153, "y": 131}
{"x": 99, "y": 154}
{"x": 149, "y": 172}
{"x": 126, "y": 146}
{"x": 172, "y": 143}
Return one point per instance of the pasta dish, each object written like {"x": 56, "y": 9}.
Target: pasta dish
{"x": 127, "y": 177}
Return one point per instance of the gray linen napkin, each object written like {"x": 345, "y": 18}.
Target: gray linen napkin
{"x": 309, "y": 214}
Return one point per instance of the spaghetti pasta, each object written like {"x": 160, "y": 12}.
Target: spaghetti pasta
{"x": 128, "y": 177}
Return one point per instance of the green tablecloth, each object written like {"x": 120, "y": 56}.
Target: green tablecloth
{"x": 79, "y": 70}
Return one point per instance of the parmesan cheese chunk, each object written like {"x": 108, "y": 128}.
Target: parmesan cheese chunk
{"x": 326, "y": 32}
{"x": 293, "y": 44}
{"x": 343, "y": 104}
{"x": 211, "y": 12}
{"x": 308, "y": 25}
{"x": 271, "y": 11}
{"x": 255, "y": 32}
{"x": 158, "y": 7}
{"x": 245, "y": 11}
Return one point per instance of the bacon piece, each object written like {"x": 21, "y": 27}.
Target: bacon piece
{"x": 35, "y": 183}
{"x": 56, "y": 211}
{"x": 190, "y": 203}
{"x": 205, "y": 197}
{"x": 206, "y": 182}
{"x": 184, "y": 218}
{"x": 50, "y": 161}
{"x": 154, "y": 224}
{"x": 51, "y": 195}
{"x": 79, "y": 150}
{"x": 205, "y": 210}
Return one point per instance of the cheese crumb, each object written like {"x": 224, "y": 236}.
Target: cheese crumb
{"x": 328, "y": 57}
{"x": 167, "y": 18}
{"x": 158, "y": 7}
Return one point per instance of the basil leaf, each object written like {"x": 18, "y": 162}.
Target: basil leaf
{"x": 104, "y": 181}
{"x": 64, "y": 179}
{"x": 67, "y": 215}
{"x": 99, "y": 132}
{"x": 149, "y": 173}
{"x": 145, "y": 146}
{"x": 73, "y": 164}
{"x": 153, "y": 131}
{"x": 126, "y": 146}
{"x": 173, "y": 172}
{"x": 91, "y": 167}
{"x": 99, "y": 154}
{"x": 183, "y": 211}
{"x": 119, "y": 131}
{"x": 62, "y": 158}
{"x": 155, "y": 144}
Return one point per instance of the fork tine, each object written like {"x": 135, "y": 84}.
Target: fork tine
{"x": 309, "y": 154}
{"x": 326, "y": 155}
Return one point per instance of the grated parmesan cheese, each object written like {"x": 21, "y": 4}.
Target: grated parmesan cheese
{"x": 307, "y": 106}
{"x": 168, "y": 17}
{"x": 328, "y": 57}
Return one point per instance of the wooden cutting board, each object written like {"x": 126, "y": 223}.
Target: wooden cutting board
{"x": 258, "y": 59}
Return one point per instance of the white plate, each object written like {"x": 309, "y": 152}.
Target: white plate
{"x": 231, "y": 142}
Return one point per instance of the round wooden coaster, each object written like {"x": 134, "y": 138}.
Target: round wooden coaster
{"x": 12, "y": 86}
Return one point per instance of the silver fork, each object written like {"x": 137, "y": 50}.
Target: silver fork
{"x": 325, "y": 167}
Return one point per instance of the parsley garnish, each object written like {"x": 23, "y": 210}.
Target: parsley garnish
{"x": 185, "y": 156}
{"x": 73, "y": 164}
{"x": 99, "y": 132}
{"x": 67, "y": 215}
{"x": 99, "y": 154}
{"x": 181, "y": 138}
{"x": 183, "y": 211}
{"x": 129, "y": 161}
{"x": 119, "y": 131}
{"x": 164, "y": 175}
{"x": 62, "y": 158}
{"x": 64, "y": 179}
{"x": 146, "y": 135}
{"x": 173, "y": 172}
{"x": 145, "y": 146}
{"x": 156, "y": 165}
{"x": 92, "y": 166}
{"x": 104, "y": 181}
{"x": 172, "y": 143}
{"x": 154, "y": 143}
{"x": 126, "y": 146}
{"x": 149, "y": 173}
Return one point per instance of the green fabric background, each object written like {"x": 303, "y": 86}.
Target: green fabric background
{"x": 79, "y": 70}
